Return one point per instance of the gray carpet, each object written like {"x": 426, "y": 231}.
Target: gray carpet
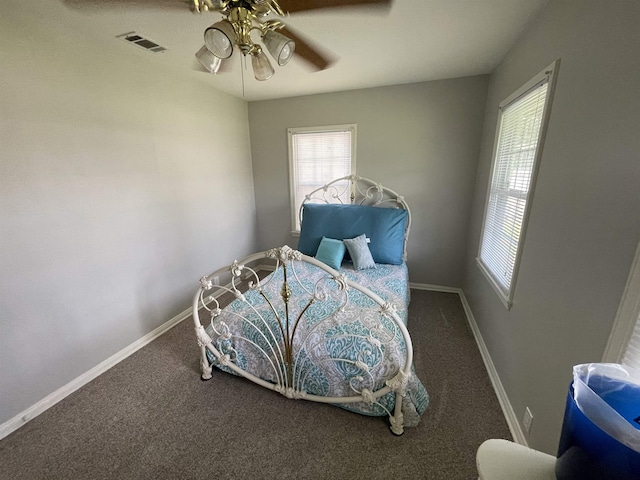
{"x": 151, "y": 417}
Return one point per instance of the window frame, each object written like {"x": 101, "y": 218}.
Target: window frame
{"x": 548, "y": 75}
{"x": 293, "y": 167}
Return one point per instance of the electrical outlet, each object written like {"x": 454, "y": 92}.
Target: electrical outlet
{"x": 527, "y": 420}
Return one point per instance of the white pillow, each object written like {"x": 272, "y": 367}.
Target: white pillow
{"x": 359, "y": 252}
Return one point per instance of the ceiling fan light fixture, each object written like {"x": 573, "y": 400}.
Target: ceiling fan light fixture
{"x": 219, "y": 39}
{"x": 280, "y": 47}
{"x": 208, "y": 60}
{"x": 243, "y": 20}
{"x": 262, "y": 68}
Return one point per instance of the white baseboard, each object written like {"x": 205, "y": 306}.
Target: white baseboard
{"x": 433, "y": 288}
{"x": 503, "y": 399}
{"x": 53, "y": 398}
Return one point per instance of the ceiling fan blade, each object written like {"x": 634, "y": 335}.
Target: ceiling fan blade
{"x": 309, "y": 53}
{"x": 292, "y": 6}
{"x": 123, "y": 4}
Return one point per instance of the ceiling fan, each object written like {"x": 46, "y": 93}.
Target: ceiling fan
{"x": 244, "y": 18}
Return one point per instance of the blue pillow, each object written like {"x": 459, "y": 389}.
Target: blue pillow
{"x": 360, "y": 253}
{"x": 331, "y": 252}
{"x": 384, "y": 226}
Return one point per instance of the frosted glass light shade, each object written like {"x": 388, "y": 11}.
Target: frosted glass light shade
{"x": 219, "y": 39}
{"x": 208, "y": 60}
{"x": 279, "y": 46}
{"x": 262, "y": 68}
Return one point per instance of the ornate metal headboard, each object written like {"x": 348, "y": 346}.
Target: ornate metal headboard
{"x": 356, "y": 190}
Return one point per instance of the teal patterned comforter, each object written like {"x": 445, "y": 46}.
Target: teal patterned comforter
{"x": 341, "y": 344}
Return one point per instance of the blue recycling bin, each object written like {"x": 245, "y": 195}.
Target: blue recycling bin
{"x": 600, "y": 437}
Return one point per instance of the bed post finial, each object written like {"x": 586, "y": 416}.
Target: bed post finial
{"x": 284, "y": 254}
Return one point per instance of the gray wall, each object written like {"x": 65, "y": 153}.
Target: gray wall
{"x": 585, "y": 221}
{"x": 111, "y": 201}
{"x": 420, "y": 140}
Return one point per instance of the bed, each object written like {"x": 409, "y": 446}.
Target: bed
{"x": 328, "y": 323}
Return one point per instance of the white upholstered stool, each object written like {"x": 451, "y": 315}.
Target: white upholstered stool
{"x": 504, "y": 460}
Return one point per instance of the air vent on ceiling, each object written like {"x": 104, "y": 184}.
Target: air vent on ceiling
{"x": 142, "y": 42}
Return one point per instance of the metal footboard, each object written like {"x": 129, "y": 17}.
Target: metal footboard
{"x": 276, "y": 333}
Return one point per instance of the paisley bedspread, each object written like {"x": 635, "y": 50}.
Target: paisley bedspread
{"x": 342, "y": 341}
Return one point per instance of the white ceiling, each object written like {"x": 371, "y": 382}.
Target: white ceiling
{"x": 413, "y": 41}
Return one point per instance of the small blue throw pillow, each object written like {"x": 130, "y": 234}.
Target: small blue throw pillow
{"x": 331, "y": 252}
{"x": 360, "y": 253}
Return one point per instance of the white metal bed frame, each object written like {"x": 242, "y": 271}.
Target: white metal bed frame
{"x": 282, "y": 352}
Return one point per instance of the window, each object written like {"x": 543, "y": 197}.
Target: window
{"x": 517, "y": 150}
{"x": 631, "y": 355}
{"x": 316, "y": 156}
{"x": 624, "y": 341}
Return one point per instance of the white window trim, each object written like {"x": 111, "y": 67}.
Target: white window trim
{"x": 549, "y": 74}
{"x": 626, "y": 317}
{"x": 293, "y": 173}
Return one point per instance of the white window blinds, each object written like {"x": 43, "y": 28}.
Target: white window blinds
{"x": 624, "y": 341}
{"x": 518, "y": 142}
{"x": 632, "y": 353}
{"x": 317, "y": 156}
{"x": 627, "y": 324}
